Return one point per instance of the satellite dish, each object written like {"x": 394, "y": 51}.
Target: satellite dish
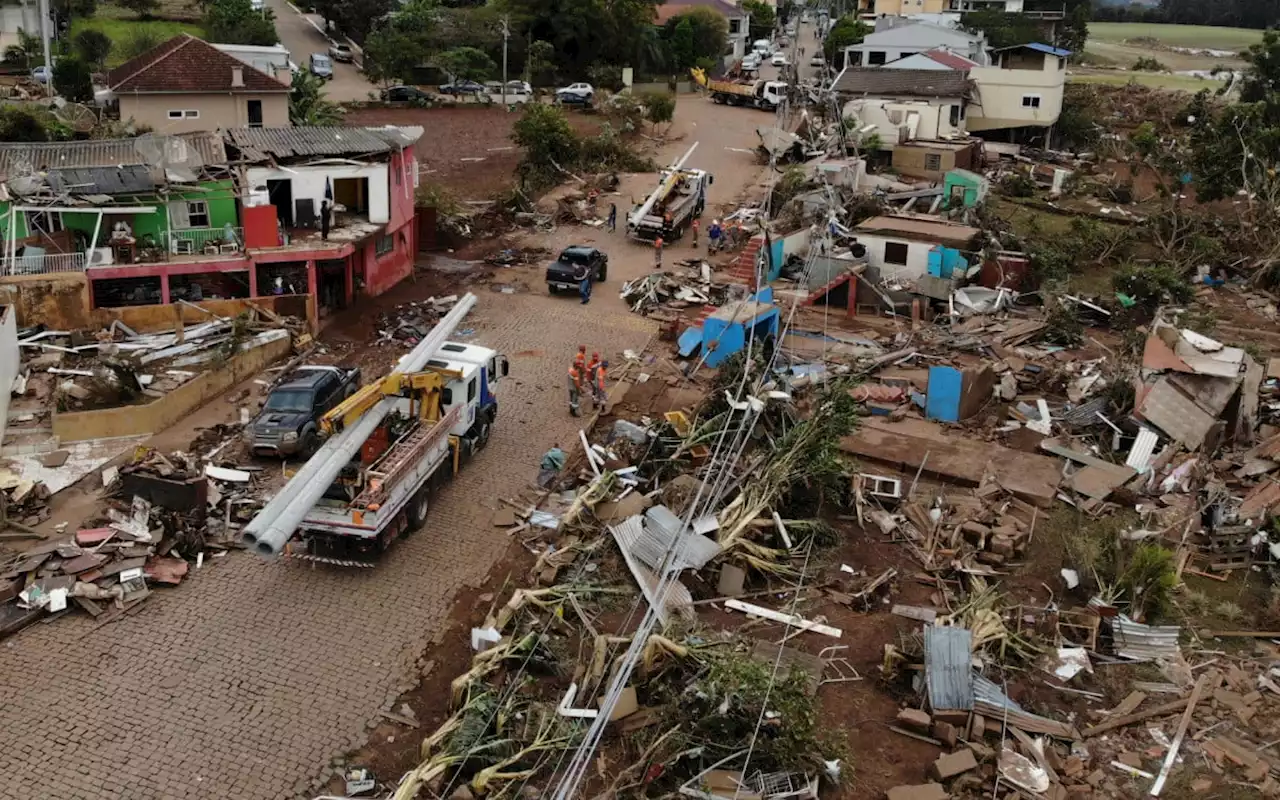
{"x": 77, "y": 116}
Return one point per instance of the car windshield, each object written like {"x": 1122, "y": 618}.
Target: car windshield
{"x": 575, "y": 257}
{"x": 320, "y": 61}
{"x": 289, "y": 401}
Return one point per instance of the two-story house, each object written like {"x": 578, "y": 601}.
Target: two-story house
{"x": 230, "y": 214}
{"x": 738, "y": 20}
{"x": 896, "y": 38}
{"x": 873, "y": 9}
{"x": 187, "y": 84}
{"x": 1021, "y": 89}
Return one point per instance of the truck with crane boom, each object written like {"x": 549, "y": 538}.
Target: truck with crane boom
{"x": 767, "y": 95}
{"x": 678, "y": 199}
{"x": 388, "y": 449}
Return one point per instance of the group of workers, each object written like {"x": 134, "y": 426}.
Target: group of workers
{"x": 588, "y": 376}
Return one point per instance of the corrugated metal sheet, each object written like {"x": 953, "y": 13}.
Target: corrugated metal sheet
{"x": 130, "y": 179}
{"x": 1143, "y": 448}
{"x": 260, "y": 143}
{"x": 1085, "y": 414}
{"x": 677, "y": 597}
{"x": 659, "y": 532}
{"x": 18, "y": 159}
{"x": 990, "y": 701}
{"x": 947, "y": 673}
{"x": 1135, "y": 640}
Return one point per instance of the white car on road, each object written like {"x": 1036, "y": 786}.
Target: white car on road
{"x": 779, "y": 60}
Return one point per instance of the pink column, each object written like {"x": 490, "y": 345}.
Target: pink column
{"x": 164, "y": 288}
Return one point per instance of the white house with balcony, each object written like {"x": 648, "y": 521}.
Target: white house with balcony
{"x": 898, "y": 37}
{"x": 1022, "y": 88}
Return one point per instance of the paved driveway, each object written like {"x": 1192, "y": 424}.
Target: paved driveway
{"x": 301, "y": 33}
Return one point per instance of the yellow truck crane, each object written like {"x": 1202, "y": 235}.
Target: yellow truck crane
{"x": 388, "y": 449}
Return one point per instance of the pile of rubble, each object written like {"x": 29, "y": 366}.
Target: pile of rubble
{"x": 117, "y": 366}
{"x": 689, "y": 285}
{"x": 169, "y": 513}
{"x": 408, "y": 323}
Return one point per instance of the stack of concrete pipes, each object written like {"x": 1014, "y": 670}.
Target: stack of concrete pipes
{"x": 267, "y": 533}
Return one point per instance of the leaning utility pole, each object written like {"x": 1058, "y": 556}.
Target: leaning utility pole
{"x": 506, "y": 34}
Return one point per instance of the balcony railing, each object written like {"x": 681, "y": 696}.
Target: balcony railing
{"x": 40, "y": 263}
{"x": 206, "y": 241}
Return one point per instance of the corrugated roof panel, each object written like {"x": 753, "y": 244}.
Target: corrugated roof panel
{"x": 657, "y": 535}
{"x": 1135, "y": 640}
{"x": 947, "y": 673}
{"x": 991, "y": 701}
{"x": 1143, "y": 448}
{"x": 129, "y": 179}
{"x": 257, "y": 143}
{"x": 677, "y": 597}
{"x": 27, "y": 158}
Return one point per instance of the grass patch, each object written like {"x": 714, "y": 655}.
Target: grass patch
{"x": 120, "y": 29}
{"x": 1177, "y": 83}
{"x": 1199, "y": 36}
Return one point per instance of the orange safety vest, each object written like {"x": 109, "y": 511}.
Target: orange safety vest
{"x": 575, "y": 375}
{"x": 600, "y": 378}
{"x": 593, "y": 366}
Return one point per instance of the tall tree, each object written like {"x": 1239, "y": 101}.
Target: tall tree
{"x": 73, "y": 80}
{"x": 93, "y": 46}
{"x": 356, "y": 18}
{"x": 400, "y": 43}
{"x": 235, "y": 22}
{"x": 698, "y": 34}
{"x": 847, "y": 32}
{"x": 466, "y": 63}
{"x": 585, "y": 32}
{"x": 307, "y": 104}
{"x": 763, "y": 18}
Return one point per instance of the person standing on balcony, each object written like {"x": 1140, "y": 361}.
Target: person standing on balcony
{"x": 324, "y": 220}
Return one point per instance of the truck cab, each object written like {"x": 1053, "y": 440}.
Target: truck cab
{"x": 772, "y": 93}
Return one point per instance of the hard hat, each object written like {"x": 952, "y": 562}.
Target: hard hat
{"x": 582, "y": 348}
{"x": 604, "y": 363}
{"x": 595, "y": 355}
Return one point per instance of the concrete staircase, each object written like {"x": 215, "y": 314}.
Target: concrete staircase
{"x": 743, "y": 269}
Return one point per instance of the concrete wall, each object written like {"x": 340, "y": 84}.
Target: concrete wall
{"x": 934, "y": 118}
{"x": 215, "y": 110}
{"x": 999, "y": 93}
{"x": 308, "y": 181}
{"x": 157, "y": 415}
{"x": 10, "y": 360}
{"x": 917, "y": 255}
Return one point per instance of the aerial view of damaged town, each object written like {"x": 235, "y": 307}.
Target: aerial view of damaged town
{"x": 621, "y": 399}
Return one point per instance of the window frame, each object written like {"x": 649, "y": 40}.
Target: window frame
{"x": 935, "y": 159}
{"x": 906, "y": 253}
{"x": 56, "y": 224}
{"x": 184, "y": 113}
{"x": 378, "y": 245}
{"x": 192, "y": 213}
{"x": 1035, "y": 101}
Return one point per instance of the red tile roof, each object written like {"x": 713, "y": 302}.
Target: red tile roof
{"x": 187, "y": 64}
{"x": 674, "y": 9}
{"x": 948, "y": 59}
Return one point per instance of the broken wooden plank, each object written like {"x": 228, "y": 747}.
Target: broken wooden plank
{"x": 1181, "y": 732}
{"x": 1129, "y": 719}
{"x": 792, "y": 620}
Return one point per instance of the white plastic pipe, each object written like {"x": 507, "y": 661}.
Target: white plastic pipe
{"x": 663, "y": 188}
{"x": 268, "y": 532}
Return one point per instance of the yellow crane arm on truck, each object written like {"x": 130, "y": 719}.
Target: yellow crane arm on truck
{"x": 425, "y": 386}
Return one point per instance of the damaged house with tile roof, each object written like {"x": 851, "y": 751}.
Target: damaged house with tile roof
{"x": 231, "y": 214}
{"x": 187, "y": 84}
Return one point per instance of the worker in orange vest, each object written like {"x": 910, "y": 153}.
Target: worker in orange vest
{"x": 575, "y": 389}
{"x": 599, "y": 395}
{"x": 695, "y": 232}
{"x": 657, "y": 252}
{"x": 592, "y": 366}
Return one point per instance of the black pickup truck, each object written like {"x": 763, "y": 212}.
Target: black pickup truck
{"x": 289, "y": 423}
{"x": 561, "y": 273}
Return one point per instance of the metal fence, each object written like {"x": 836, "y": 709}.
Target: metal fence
{"x": 40, "y": 263}
{"x": 206, "y": 241}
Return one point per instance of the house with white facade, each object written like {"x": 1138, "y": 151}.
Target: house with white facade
{"x": 905, "y": 105}
{"x": 738, "y": 20}
{"x": 899, "y": 248}
{"x": 875, "y": 9}
{"x": 897, "y": 38}
{"x": 936, "y": 60}
{"x": 1022, "y": 88}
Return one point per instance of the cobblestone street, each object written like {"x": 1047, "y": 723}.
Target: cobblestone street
{"x": 246, "y": 681}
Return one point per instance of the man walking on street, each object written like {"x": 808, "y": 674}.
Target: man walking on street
{"x": 713, "y": 237}
{"x": 552, "y": 462}
{"x": 613, "y": 217}
{"x": 575, "y": 389}
{"x": 695, "y": 233}
{"x": 582, "y": 274}
{"x": 657, "y": 252}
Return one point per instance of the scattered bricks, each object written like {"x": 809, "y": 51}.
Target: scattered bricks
{"x": 1072, "y": 767}
{"x": 944, "y": 731}
{"x": 1056, "y": 792}
{"x": 977, "y": 727}
{"x": 914, "y": 719}
{"x": 1230, "y": 699}
{"x": 1201, "y": 785}
{"x": 1257, "y": 772}
{"x": 953, "y": 764}
{"x": 1252, "y": 697}
{"x": 1002, "y": 545}
{"x": 924, "y": 791}
{"x": 988, "y": 557}
{"x": 981, "y": 751}
{"x": 975, "y": 532}
{"x": 1130, "y": 759}
{"x": 1079, "y": 792}
{"x": 958, "y": 718}
{"x": 1096, "y": 777}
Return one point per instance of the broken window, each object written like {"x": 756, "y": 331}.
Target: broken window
{"x": 197, "y": 214}
{"x": 385, "y": 244}
{"x": 43, "y": 222}
{"x": 933, "y": 162}
{"x": 955, "y": 116}
{"x": 895, "y": 253}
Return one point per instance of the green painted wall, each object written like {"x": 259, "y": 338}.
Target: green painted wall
{"x": 219, "y": 196}
{"x": 971, "y": 188}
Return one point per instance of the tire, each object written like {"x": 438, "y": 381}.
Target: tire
{"x": 419, "y": 507}
{"x": 310, "y": 444}
{"x": 482, "y": 435}
{"x": 602, "y": 274}
{"x": 553, "y": 289}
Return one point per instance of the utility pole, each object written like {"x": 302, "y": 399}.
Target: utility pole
{"x": 42, "y": 9}
{"x": 506, "y": 34}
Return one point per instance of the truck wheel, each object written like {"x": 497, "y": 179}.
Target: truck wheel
{"x": 310, "y": 444}
{"x": 419, "y": 505}
{"x": 482, "y": 435}
{"x": 603, "y": 273}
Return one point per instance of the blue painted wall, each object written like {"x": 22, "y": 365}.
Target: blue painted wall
{"x": 943, "y": 401}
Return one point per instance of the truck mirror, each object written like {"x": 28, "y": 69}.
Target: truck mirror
{"x": 711, "y": 179}
{"x": 446, "y": 396}
{"x": 506, "y": 367}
